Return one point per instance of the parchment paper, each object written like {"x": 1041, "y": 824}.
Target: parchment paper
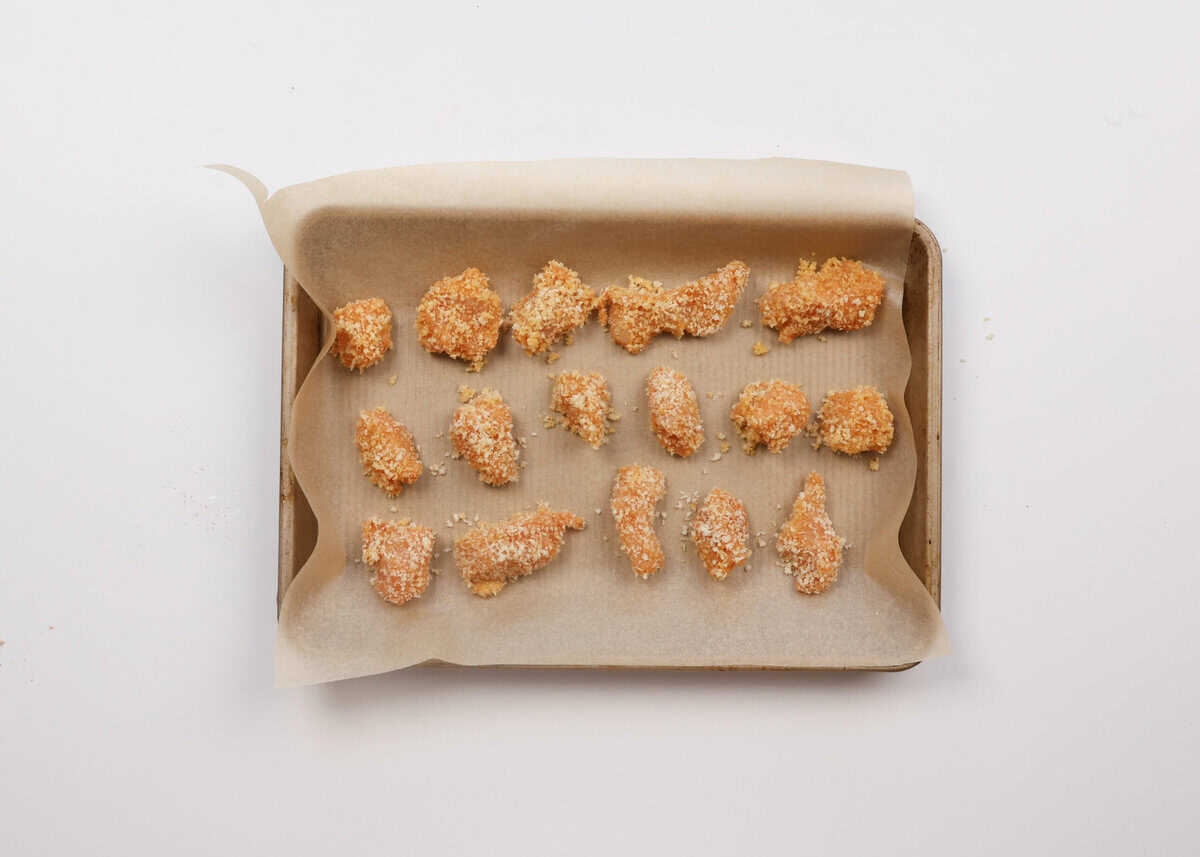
{"x": 392, "y": 233}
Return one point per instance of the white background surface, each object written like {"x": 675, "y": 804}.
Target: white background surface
{"x": 1053, "y": 150}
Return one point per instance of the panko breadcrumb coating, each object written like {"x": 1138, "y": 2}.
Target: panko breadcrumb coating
{"x": 490, "y": 554}
{"x": 362, "y": 333}
{"x": 559, "y": 303}
{"x": 389, "y": 454}
{"x": 635, "y": 492}
{"x": 460, "y": 316}
{"x": 636, "y": 313}
{"x": 807, "y": 543}
{"x": 854, "y": 421}
{"x": 399, "y": 555}
{"x": 721, "y": 531}
{"x": 771, "y": 413}
{"x": 482, "y": 433}
{"x": 844, "y": 295}
{"x": 674, "y": 411}
{"x": 584, "y": 401}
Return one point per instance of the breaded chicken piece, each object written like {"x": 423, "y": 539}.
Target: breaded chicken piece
{"x": 460, "y": 316}
{"x": 843, "y": 295}
{"x": 674, "y": 411}
{"x": 362, "y": 333}
{"x": 482, "y": 433}
{"x": 807, "y": 543}
{"x": 721, "y": 531}
{"x": 635, "y": 492}
{"x": 771, "y": 413}
{"x": 636, "y": 313}
{"x": 489, "y": 555}
{"x": 703, "y": 306}
{"x": 559, "y": 303}
{"x": 388, "y": 452}
{"x": 399, "y": 555}
{"x": 854, "y": 421}
{"x": 585, "y": 403}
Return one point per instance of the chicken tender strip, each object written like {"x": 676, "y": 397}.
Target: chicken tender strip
{"x": 585, "y": 402}
{"x": 808, "y": 545}
{"x": 721, "y": 531}
{"x": 482, "y": 433}
{"x": 843, "y": 295}
{"x": 635, "y": 492}
{"x": 362, "y": 333}
{"x": 490, "y": 555}
{"x": 769, "y": 413}
{"x": 388, "y": 452}
{"x": 674, "y": 411}
{"x": 559, "y": 303}
{"x": 460, "y": 317}
{"x": 854, "y": 421}
{"x": 636, "y": 313}
{"x": 398, "y": 555}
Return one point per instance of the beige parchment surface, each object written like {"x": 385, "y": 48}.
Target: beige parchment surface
{"x": 392, "y": 233}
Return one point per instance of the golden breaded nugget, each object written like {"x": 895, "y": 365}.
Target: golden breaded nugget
{"x": 771, "y": 413}
{"x": 843, "y": 295}
{"x": 362, "y": 333}
{"x": 721, "y": 531}
{"x": 482, "y": 433}
{"x": 703, "y": 306}
{"x": 854, "y": 421}
{"x": 388, "y": 452}
{"x": 399, "y": 555}
{"x": 584, "y": 401}
{"x": 807, "y": 543}
{"x": 636, "y": 313}
{"x": 559, "y": 303}
{"x": 489, "y": 555}
{"x": 674, "y": 411}
{"x": 460, "y": 316}
{"x": 635, "y": 492}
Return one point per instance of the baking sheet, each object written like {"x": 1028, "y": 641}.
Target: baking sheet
{"x": 392, "y": 233}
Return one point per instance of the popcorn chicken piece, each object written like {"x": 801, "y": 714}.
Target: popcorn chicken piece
{"x": 491, "y": 554}
{"x": 843, "y": 294}
{"x": 362, "y": 333}
{"x": 399, "y": 556}
{"x": 636, "y": 313}
{"x": 635, "y": 492}
{"x": 771, "y": 413}
{"x": 482, "y": 433}
{"x": 674, "y": 411}
{"x": 721, "y": 531}
{"x": 808, "y": 545}
{"x": 388, "y": 452}
{"x": 585, "y": 403}
{"x": 559, "y": 303}
{"x": 854, "y": 421}
{"x": 460, "y": 316}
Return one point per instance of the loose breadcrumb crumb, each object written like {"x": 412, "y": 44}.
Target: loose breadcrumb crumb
{"x": 674, "y": 411}
{"x": 465, "y": 393}
{"x": 636, "y": 490}
{"x": 389, "y": 455}
{"x": 769, "y": 413}
{"x": 585, "y": 403}
{"x": 807, "y": 543}
{"x": 392, "y": 380}
{"x": 857, "y": 420}
{"x": 460, "y": 317}
{"x": 482, "y": 433}
{"x": 362, "y": 333}
{"x": 747, "y": 323}
{"x": 760, "y": 349}
{"x": 491, "y": 554}
{"x": 721, "y": 531}
{"x": 398, "y": 554}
